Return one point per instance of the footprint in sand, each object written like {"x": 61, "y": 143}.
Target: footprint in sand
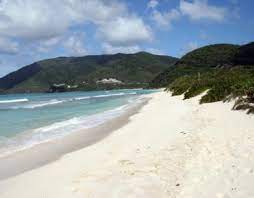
{"x": 125, "y": 162}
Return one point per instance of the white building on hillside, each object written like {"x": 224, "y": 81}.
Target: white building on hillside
{"x": 109, "y": 81}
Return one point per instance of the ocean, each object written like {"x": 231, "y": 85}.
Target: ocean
{"x": 30, "y": 119}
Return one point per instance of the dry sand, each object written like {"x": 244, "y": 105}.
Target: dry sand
{"x": 171, "y": 148}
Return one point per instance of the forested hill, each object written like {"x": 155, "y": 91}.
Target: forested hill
{"x": 224, "y": 71}
{"x": 207, "y": 58}
{"x": 84, "y": 73}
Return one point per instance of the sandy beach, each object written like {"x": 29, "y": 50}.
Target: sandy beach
{"x": 167, "y": 148}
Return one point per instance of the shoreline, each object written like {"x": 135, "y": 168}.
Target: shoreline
{"x": 170, "y": 148}
{"x": 28, "y": 159}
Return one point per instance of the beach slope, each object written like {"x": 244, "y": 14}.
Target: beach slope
{"x": 170, "y": 148}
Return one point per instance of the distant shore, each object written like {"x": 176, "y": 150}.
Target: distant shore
{"x": 167, "y": 148}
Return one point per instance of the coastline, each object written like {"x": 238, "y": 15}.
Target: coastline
{"x": 50, "y": 151}
{"x": 168, "y": 148}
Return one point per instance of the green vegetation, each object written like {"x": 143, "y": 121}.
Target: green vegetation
{"x": 201, "y": 60}
{"x": 245, "y": 55}
{"x": 223, "y": 84}
{"x": 134, "y": 70}
{"x": 223, "y": 71}
{"x": 218, "y": 55}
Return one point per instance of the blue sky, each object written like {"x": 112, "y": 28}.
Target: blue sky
{"x": 32, "y": 30}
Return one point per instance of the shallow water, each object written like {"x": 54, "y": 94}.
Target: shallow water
{"x": 30, "y": 119}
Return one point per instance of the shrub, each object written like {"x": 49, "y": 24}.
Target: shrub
{"x": 223, "y": 84}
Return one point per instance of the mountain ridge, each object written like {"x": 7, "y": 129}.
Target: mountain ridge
{"x": 134, "y": 70}
{"x": 221, "y": 72}
{"x": 204, "y": 59}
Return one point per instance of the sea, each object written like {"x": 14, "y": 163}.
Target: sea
{"x": 30, "y": 119}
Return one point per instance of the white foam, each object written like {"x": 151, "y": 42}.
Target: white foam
{"x": 83, "y": 98}
{"x": 105, "y": 95}
{"x": 43, "y": 104}
{"x": 13, "y": 101}
{"x": 60, "y": 129}
{"x": 110, "y": 95}
{"x": 81, "y": 122}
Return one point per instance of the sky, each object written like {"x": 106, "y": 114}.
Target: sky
{"x": 32, "y": 30}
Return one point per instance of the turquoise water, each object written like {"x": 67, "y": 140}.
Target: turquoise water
{"x": 29, "y": 119}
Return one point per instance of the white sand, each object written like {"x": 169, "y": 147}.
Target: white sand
{"x": 172, "y": 148}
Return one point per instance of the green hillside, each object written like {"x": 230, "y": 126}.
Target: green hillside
{"x": 200, "y": 60}
{"x": 211, "y": 56}
{"x": 245, "y": 55}
{"x": 224, "y": 71}
{"x": 134, "y": 70}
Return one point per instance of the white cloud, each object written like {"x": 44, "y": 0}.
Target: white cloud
{"x": 37, "y": 19}
{"x": 155, "y": 51}
{"x": 200, "y": 9}
{"x": 51, "y": 41}
{"x": 32, "y": 19}
{"x": 7, "y": 46}
{"x": 46, "y": 45}
{"x": 190, "y": 47}
{"x": 125, "y": 31}
{"x": 109, "y": 49}
{"x": 165, "y": 19}
{"x": 42, "y": 21}
{"x": 152, "y": 4}
{"x": 75, "y": 45}
{"x": 96, "y": 11}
